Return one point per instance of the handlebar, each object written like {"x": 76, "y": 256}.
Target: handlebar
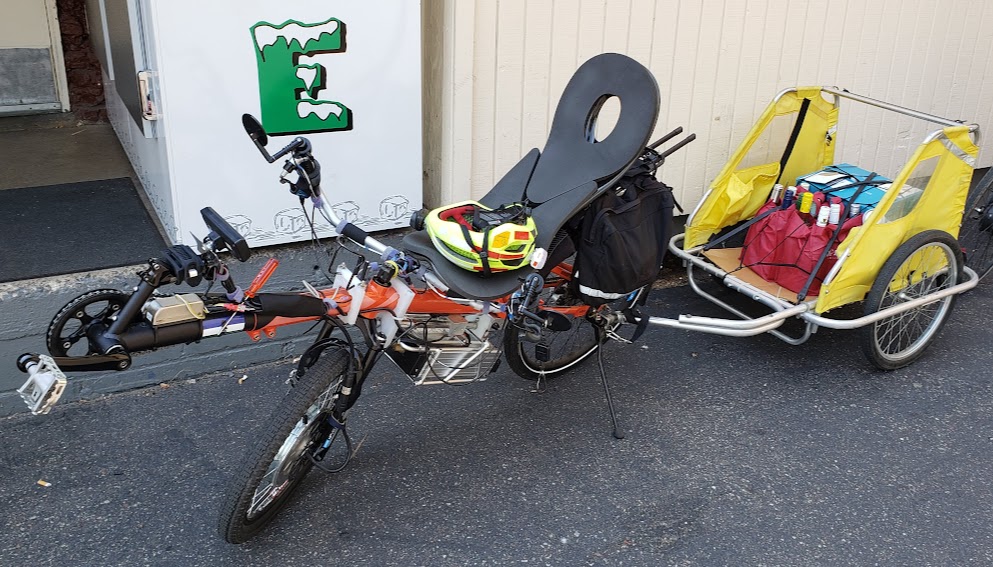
{"x": 308, "y": 184}
{"x": 523, "y": 307}
{"x": 532, "y": 287}
{"x": 349, "y": 230}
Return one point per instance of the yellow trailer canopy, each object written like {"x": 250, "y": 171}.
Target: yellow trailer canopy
{"x": 737, "y": 193}
{"x": 929, "y": 192}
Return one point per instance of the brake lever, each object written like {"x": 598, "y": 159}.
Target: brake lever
{"x": 299, "y": 145}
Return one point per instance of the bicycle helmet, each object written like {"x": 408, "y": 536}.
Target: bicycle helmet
{"x": 478, "y": 238}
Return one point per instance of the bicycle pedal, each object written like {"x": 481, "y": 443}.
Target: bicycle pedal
{"x": 44, "y": 386}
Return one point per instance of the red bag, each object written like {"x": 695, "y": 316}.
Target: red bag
{"x": 765, "y": 237}
{"x": 803, "y": 249}
{"x": 799, "y": 254}
{"x": 832, "y": 257}
{"x": 782, "y": 248}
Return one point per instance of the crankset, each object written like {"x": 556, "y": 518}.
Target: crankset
{"x": 71, "y": 323}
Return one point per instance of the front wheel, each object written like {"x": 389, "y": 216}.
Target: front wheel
{"x": 926, "y": 264}
{"x": 282, "y": 454}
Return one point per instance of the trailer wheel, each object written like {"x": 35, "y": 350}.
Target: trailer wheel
{"x": 927, "y": 263}
{"x": 976, "y": 234}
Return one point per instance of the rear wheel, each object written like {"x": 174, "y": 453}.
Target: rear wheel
{"x": 567, "y": 348}
{"x": 927, "y": 263}
{"x": 976, "y": 234}
{"x": 282, "y": 454}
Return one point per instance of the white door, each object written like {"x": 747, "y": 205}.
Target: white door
{"x": 32, "y": 70}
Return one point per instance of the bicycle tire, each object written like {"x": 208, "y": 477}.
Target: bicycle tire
{"x": 898, "y": 340}
{"x": 567, "y": 348}
{"x": 976, "y": 233}
{"x": 284, "y": 431}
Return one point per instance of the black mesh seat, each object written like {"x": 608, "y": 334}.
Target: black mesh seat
{"x": 571, "y": 171}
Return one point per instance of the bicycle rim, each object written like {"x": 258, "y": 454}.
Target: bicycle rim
{"x": 903, "y": 335}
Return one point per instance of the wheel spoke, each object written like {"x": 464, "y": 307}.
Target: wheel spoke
{"x": 283, "y": 450}
{"x": 924, "y": 272}
{"x": 262, "y": 494}
{"x": 282, "y": 469}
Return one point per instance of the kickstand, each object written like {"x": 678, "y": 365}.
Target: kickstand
{"x": 618, "y": 432}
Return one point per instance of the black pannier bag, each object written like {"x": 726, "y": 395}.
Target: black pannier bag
{"x": 623, "y": 238}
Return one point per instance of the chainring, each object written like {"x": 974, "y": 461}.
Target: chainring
{"x": 69, "y": 325}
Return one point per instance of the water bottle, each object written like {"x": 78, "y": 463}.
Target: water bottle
{"x": 823, "y": 215}
{"x": 777, "y": 193}
{"x": 788, "y": 198}
{"x": 835, "y": 213}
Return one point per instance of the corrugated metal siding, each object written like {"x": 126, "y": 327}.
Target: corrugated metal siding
{"x": 717, "y": 63}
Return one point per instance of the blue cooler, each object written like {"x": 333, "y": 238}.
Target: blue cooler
{"x": 833, "y": 179}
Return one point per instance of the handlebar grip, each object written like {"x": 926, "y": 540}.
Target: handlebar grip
{"x": 354, "y": 232}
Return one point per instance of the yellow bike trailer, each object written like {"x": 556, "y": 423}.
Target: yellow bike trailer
{"x": 904, "y": 262}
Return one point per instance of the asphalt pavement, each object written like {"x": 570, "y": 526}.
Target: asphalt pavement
{"x": 739, "y": 452}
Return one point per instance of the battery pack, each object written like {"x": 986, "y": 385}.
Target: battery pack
{"x": 172, "y": 309}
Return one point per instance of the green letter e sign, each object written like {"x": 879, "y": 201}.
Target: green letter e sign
{"x": 290, "y": 84}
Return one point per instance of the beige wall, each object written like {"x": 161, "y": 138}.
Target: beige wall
{"x": 23, "y": 23}
{"x": 494, "y": 70}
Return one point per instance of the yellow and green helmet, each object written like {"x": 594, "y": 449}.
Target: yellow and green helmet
{"x": 478, "y": 238}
